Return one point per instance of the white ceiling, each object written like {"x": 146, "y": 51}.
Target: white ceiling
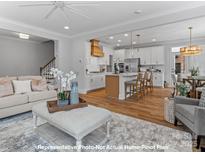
{"x": 12, "y": 34}
{"x": 162, "y": 33}
{"x": 104, "y": 15}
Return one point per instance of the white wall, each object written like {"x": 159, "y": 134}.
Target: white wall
{"x": 23, "y": 57}
{"x": 80, "y": 53}
{"x": 78, "y": 49}
{"x": 62, "y": 42}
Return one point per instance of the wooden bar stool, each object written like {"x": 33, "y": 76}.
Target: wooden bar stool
{"x": 132, "y": 87}
{"x": 146, "y": 79}
{"x": 149, "y": 82}
{"x": 142, "y": 83}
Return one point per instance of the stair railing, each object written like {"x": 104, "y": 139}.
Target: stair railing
{"x": 45, "y": 70}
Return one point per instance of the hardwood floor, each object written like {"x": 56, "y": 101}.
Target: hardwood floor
{"x": 150, "y": 108}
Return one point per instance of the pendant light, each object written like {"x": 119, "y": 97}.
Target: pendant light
{"x": 191, "y": 50}
{"x": 138, "y": 41}
{"x": 132, "y": 53}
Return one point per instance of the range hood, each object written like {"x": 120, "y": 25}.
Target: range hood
{"x": 96, "y": 50}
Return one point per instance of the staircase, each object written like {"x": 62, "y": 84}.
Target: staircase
{"x": 45, "y": 70}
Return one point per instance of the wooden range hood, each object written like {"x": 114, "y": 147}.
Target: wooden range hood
{"x": 96, "y": 51}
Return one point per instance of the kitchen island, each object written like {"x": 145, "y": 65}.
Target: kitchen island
{"x": 115, "y": 84}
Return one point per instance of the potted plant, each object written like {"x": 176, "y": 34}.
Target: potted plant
{"x": 194, "y": 71}
{"x": 183, "y": 89}
{"x": 63, "y": 81}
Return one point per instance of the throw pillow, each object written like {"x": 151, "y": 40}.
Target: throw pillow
{"x": 202, "y": 99}
{"x": 6, "y": 88}
{"x": 39, "y": 85}
{"x": 21, "y": 87}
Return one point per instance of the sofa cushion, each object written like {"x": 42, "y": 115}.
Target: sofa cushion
{"x": 39, "y": 85}
{"x": 21, "y": 87}
{"x": 9, "y": 78}
{"x": 30, "y": 77}
{"x": 186, "y": 110}
{"x": 6, "y": 87}
{"x": 41, "y": 95}
{"x": 13, "y": 100}
{"x": 202, "y": 99}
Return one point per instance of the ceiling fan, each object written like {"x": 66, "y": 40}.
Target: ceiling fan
{"x": 63, "y": 6}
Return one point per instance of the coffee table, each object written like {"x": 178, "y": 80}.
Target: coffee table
{"x": 77, "y": 122}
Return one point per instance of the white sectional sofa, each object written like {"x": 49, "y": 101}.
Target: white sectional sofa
{"x": 19, "y": 103}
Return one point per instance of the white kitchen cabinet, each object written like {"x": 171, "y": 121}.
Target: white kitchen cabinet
{"x": 151, "y": 55}
{"x": 145, "y": 56}
{"x": 158, "y": 79}
{"x": 157, "y": 55}
{"x": 148, "y": 56}
{"x": 96, "y": 82}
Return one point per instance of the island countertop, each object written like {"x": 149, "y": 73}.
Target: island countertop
{"x": 123, "y": 74}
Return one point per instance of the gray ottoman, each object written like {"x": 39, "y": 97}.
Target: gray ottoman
{"x": 77, "y": 122}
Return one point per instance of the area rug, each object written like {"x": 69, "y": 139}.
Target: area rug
{"x": 126, "y": 134}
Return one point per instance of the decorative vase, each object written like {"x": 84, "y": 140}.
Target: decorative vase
{"x": 62, "y": 103}
{"x": 74, "y": 97}
{"x": 62, "y": 99}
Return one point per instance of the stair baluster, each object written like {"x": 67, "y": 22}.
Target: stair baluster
{"x": 45, "y": 70}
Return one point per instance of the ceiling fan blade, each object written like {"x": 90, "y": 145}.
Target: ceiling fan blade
{"x": 50, "y": 12}
{"x": 82, "y": 4}
{"x": 30, "y": 5}
{"x": 76, "y": 11}
{"x": 66, "y": 15}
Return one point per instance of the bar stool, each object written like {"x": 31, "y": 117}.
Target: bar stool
{"x": 149, "y": 82}
{"x": 134, "y": 86}
{"x": 142, "y": 77}
{"x": 146, "y": 79}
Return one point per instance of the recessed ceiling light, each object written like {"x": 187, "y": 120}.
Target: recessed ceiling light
{"x": 66, "y": 27}
{"x": 111, "y": 37}
{"x": 137, "y": 11}
{"x": 133, "y": 42}
{"x": 118, "y": 44}
{"x": 119, "y": 40}
{"x": 125, "y": 34}
{"x": 154, "y": 40}
{"x": 23, "y": 36}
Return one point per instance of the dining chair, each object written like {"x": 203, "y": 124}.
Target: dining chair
{"x": 175, "y": 83}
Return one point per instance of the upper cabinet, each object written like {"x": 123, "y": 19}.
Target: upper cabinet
{"x": 145, "y": 55}
{"x": 157, "y": 55}
{"x": 148, "y": 56}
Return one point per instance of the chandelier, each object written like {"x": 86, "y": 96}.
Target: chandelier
{"x": 191, "y": 50}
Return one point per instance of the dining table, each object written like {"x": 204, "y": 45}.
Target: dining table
{"x": 195, "y": 82}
